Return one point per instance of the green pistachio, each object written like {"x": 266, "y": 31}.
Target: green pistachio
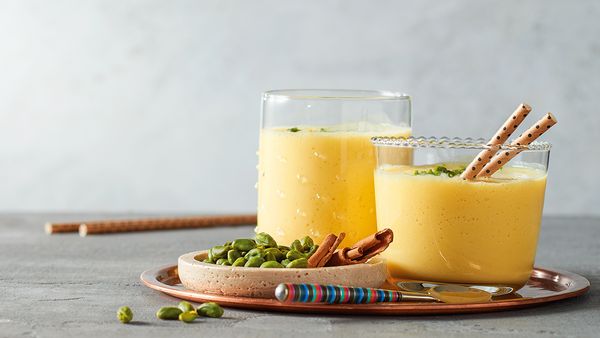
{"x": 269, "y": 257}
{"x": 294, "y": 254}
{"x": 188, "y": 317}
{"x": 298, "y": 263}
{"x": 239, "y": 262}
{"x": 232, "y": 255}
{"x": 168, "y": 313}
{"x": 296, "y": 245}
{"x": 254, "y": 262}
{"x": 307, "y": 243}
{"x": 440, "y": 170}
{"x": 275, "y": 252}
{"x": 263, "y": 238}
{"x": 210, "y": 310}
{"x": 312, "y": 251}
{"x": 243, "y": 244}
{"x": 186, "y": 306}
{"x": 256, "y": 252}
{"x": 271, "y": 265}
{"x": 124, "y": 314}
{"x": 219, "y": 251}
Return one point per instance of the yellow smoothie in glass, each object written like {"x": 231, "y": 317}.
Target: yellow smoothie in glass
{"x": 447, "y": 229}
{"x": 319, "y": 180}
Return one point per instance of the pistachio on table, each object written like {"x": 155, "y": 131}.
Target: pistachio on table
{"x": 210, "y": 309}
{"x": 186, "y": 306}
{"x": 188, "y": 317}
{"x": 168, "y": 313}
{"x": 124, "y": 314}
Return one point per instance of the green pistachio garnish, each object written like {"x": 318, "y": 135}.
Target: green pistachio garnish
{"x": 440, "y": 169}
{"x": 294, "y": 129}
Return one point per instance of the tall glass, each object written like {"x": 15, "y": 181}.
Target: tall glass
{"x": 453, "y": 230}
{"x": 316, "y": 161}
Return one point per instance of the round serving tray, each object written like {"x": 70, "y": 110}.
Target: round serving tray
{"x": 544, "y": 286}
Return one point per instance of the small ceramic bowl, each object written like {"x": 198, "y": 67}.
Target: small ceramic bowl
{"x": 256, "y": 282}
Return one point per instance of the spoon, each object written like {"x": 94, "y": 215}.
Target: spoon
{"x": 424, "y": 286}
{"x": 458, "y": 294}
{"x": 337, "y": 294}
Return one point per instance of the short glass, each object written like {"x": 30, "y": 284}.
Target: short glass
{"x": 452, "y": 230}
{"x": 316, "y": 160}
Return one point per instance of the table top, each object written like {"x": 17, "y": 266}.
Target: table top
{"x": 65, "y": 285}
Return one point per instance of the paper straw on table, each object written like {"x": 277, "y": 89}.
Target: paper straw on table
{"x": 507, "y": 128}
{"x": 535, "y": 131}
{"x": 147, "y": 224}
{"x": 59, "y": 228}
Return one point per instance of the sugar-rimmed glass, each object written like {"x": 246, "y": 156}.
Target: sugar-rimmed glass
{"x": 453, "y": 230}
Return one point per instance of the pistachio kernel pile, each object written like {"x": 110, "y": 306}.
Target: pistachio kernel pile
{"x": 262, "y": 252}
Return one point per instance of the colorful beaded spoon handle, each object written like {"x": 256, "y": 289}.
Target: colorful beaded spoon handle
{"x": 338, "y": 294}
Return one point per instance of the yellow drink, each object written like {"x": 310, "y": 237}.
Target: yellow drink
{"x": 317, "y": 181}
{"x": 452, "y": 230}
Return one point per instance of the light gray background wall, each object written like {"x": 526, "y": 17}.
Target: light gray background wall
{"x": 154, "y": 105}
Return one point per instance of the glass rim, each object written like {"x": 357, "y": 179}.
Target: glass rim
{"x": 445, "y": 142}
{"x": 335, "y": 94}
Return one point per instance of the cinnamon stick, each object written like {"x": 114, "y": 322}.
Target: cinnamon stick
{"x": 363, "y": 250}
{"x": 326, "y": 250}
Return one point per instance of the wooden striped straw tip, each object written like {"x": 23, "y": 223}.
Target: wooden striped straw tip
{"x": 83, "y": 230}
{"x": 60, "y": 228}
{"x": 48, "y": 228}
{"x": 551, "y": 117}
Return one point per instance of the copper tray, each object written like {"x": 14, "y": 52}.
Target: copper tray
{"x": 545, "y": 285}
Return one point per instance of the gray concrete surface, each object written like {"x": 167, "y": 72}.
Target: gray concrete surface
{"x": 154, "y": 105}
{"x": 67, "y": 286}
